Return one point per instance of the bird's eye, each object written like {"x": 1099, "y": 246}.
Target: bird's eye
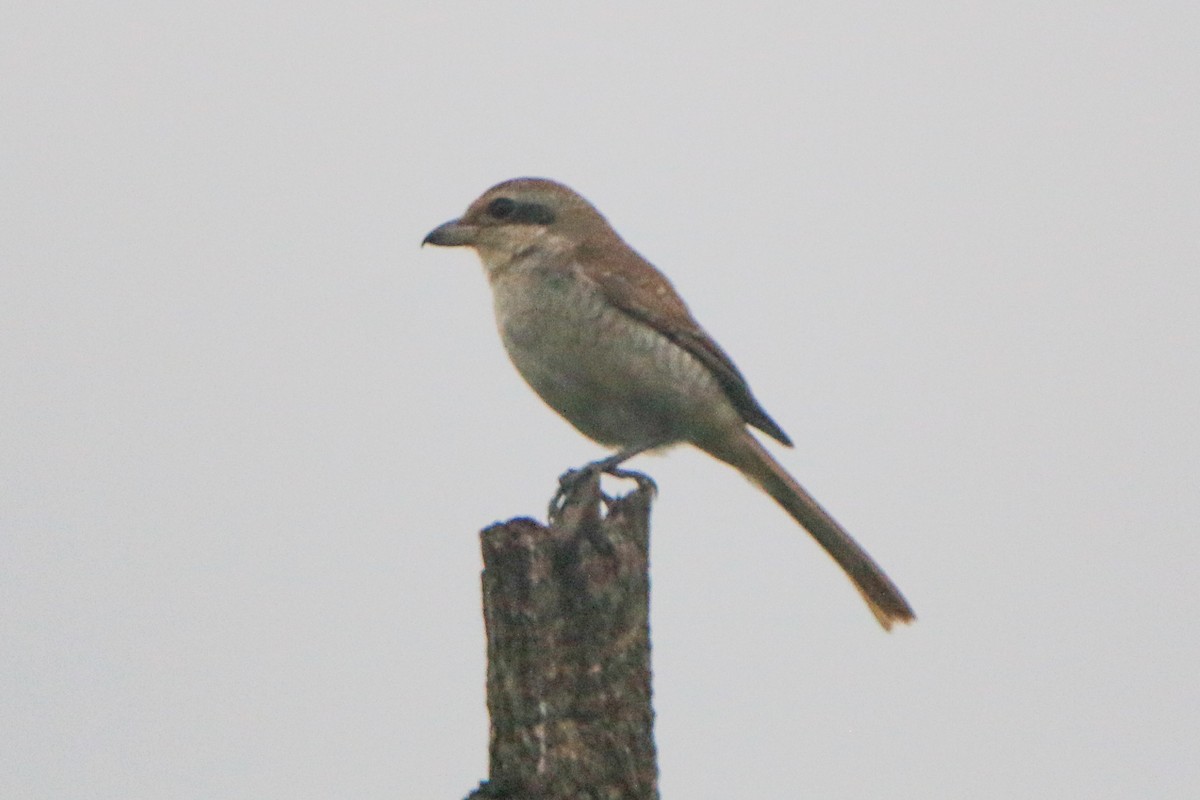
{"x": 501, "y": 207}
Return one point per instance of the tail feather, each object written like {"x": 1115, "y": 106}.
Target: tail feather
{"x": 881, "y": 595}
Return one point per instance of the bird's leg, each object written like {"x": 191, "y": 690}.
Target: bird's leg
{"x": 569, "y": 480}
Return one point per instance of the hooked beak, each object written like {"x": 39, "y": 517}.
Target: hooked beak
{"x": 454, "y": 233}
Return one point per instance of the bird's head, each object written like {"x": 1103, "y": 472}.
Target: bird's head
{"x": 521, "y": 214}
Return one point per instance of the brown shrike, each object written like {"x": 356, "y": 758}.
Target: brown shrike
{"x": 605, "y": 340}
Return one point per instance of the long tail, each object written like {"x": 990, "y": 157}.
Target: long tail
{"x": 749, "y": 457}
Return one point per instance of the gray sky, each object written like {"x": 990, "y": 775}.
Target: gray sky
{"x": 250, "y": 429}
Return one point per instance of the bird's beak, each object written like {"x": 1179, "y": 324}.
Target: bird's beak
{"x": 454, "y": 233}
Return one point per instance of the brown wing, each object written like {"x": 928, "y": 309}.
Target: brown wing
{"x": 626, "y": 278}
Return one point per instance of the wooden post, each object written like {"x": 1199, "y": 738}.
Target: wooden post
{"x": 568, "y": 646}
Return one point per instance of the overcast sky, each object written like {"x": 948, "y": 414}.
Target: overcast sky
{"x": 249, "y": 430}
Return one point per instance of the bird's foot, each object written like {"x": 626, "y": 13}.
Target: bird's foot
{"x": 574, "y": 479}
{"x": 644, "y": 482}
{"x": 569, "y": 483}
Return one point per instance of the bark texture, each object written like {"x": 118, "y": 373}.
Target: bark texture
{"x": 568, "y": 685}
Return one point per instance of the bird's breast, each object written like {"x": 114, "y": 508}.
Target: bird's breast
{"x": 617, "y": 379}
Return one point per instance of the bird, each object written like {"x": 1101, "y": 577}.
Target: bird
{"x": 607, "y": 342}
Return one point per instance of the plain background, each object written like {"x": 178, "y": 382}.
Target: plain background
{"x": 249, "y": 430}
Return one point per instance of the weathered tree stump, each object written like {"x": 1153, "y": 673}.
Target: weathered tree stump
{"x": 568, "y": 646}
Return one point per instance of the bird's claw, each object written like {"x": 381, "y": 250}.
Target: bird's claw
{"x": 644, "y": 482}
{"x": 568, "y": 482}
{"x": 572, "y": 479}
